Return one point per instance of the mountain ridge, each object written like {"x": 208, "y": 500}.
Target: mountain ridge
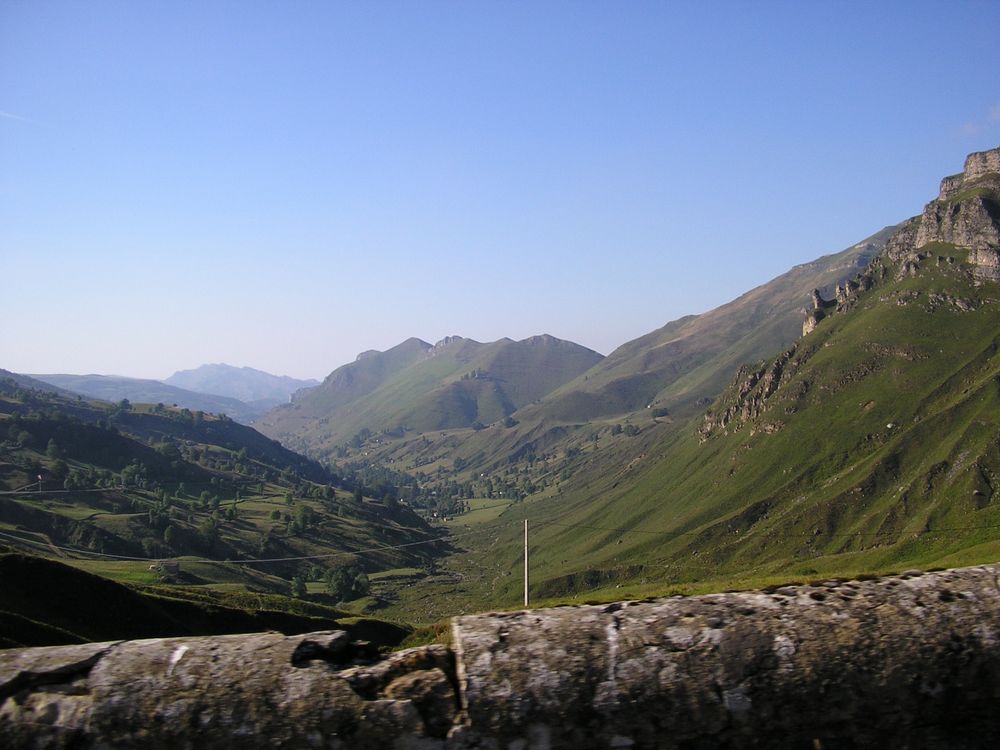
{"x": 114, "y": 388}
{"x": 457, "y": 382}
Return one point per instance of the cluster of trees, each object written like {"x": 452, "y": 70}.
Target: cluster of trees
{"x": 629, "y": 429}
{"x": 343, "y": 582}
{"x": 347, "y": 582}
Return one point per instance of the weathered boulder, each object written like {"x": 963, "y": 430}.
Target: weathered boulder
{"x": 258, "y": 690}
{"x": 907, "y": 662}
{"x": 910, "y": 661}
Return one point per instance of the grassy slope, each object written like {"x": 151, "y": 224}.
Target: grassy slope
{"x": 833, "y": 489}
{"x": 694, "y": 357}
{"x": 455, "y": 384}
{"x": 688, "y": 360}
{"x": 879, "y": 451}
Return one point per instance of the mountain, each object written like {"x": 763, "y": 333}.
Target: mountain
{"x": 692, "y": 358}
{"x": 416, "y": 387}
{"x": 871, "y": 443}
{"x": 261, "y": 390}
{"x": 115, "y": 388}
{"x": 650, "y": 384}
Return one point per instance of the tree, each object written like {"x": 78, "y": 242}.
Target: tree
{"x": 74, "y": 481}
{"x": 59, "y": 469}
{"x": 208, "y": 532}
{"x": 347, "y": 582}
{"x": 303, "y": 518}
{"x": 52, "y": 449}
{"x": 361, "y": 584}
{"x": 298, "y": 587}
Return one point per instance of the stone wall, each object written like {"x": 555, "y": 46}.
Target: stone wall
{"x": 910, "y": 661}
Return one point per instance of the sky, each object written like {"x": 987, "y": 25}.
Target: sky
{"x": 286, "y": 184}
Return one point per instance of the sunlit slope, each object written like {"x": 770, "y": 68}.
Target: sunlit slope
{"x": 677, "y": 369}
{"x": 879, "y": 446}
{"x": 455, "y": 384}
{"x": 693, "y": 358}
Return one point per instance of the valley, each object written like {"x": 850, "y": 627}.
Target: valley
{"x": 840, "y": 420}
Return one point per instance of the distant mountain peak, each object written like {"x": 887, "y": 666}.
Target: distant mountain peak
{"x": 246, "y": 384}
{"x": 449, "y": 340}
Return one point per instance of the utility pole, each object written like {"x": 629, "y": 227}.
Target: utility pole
{"x": 525, "y": 563}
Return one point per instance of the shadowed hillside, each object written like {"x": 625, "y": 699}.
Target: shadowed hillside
{"x": 114, "y": 388}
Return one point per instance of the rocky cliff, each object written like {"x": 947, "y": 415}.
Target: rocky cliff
{"x": 963, "y": 220}
{"x": 967, "y": 213}
{"x": 910, "y": 661}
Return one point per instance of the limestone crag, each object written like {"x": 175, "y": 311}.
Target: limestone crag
{"x": 967, "y": 214}
{"x": 973, "y": 223}
{"x": 749, "y": 395}
{"x": 909, "y": 661}
{"x": 978, "y": 165}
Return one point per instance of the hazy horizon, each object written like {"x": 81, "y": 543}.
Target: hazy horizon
{"x": 286, "y": 186}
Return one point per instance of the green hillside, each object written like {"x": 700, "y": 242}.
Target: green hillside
{"x": 47, "y": 603}
{"x": 692, "y": 359}
{"x": 458, "y": 383}
{"x": 650, "y": 385}
{"x": 870, "y": 444}
{"x": 150, "y": 494}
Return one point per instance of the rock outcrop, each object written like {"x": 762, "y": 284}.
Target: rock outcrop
{"x": 909, "y": 661}
{"x": 967, "y": 213}
{"x": 981, "y": 167}
{"x": 747, "y": 398}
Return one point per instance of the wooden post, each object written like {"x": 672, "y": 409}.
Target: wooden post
{"x": 525, "y": 563}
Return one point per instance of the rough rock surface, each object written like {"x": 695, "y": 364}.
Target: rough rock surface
{"x": 977, "y": 165}
{"x": 748, "y": 397}
{"x": 967, "y": 214}
{"x": 911, "y": 661}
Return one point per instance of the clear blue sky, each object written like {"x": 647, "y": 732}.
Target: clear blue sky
{"x": 285, "y": 184}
